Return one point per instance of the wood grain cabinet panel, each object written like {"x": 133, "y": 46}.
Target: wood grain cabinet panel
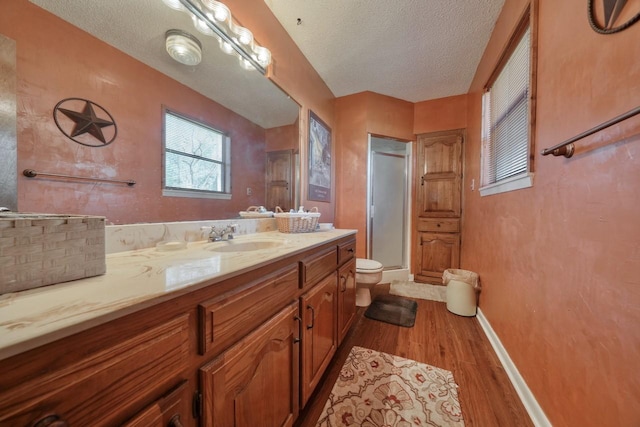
{"x": 438, "y": 252}
{"x": 230, "y": 316}
{"x": 346, "y": 251}
{"x": 255, "y": 382}
{"x": 439, "y": 225}
{"x": 171, "y": 410}
{"x": 319, "y": 313}
{"x": 104, "y": 388}
{"x": 279, "y": 176}
{"x": 346, "y": 298}
{"x": 316, "y": 267}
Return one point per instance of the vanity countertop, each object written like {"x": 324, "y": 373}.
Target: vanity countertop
{"x": 136, "y": 280}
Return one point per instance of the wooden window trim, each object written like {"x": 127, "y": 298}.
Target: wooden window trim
{"x": 528, "y": 19}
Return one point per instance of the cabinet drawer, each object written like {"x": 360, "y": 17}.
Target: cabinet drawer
{"x": 171, "y": 410}
{"x": 442, "y": 225}
{"x": 229, "y": 317}
{"x": 104, "y": 388}
{"x": 318, "y": 266}
{"x": 346, "y": 251}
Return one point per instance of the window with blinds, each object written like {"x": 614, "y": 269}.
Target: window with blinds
{"x": 506, "y": 133}
{"x": 195, "y": 157}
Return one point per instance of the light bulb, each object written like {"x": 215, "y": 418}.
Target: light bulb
{"x": 174, "y": 4}
{"x": 220, "y": 12}
{"x": 201, "y": 26}
{"x": 226, "y": 47}
{"x": 244, "y": 36}
{"x": 246, "y": 64}
{"x": 262, "y": 55}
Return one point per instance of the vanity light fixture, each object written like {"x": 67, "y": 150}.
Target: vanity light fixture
{"x": 183, "y": 47}
{"x": 213, "y": 18}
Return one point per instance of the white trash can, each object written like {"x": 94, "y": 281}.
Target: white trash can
{"x": 462, "y": 289}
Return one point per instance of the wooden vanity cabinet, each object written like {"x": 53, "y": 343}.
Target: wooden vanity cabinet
{"x": 244, "y": 351}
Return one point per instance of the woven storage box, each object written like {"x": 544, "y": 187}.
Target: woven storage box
{"x": 297, "y": 222}
{"x": 38, "y": 250}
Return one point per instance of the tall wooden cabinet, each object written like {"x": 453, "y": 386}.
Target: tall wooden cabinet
{"x": 280, "y": 171}
{"x": 438, "y": 204}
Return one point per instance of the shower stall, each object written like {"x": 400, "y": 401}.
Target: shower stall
{"x": 389, "y": 205}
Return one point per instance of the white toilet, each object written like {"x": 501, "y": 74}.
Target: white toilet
{"x": 368, "y": 274}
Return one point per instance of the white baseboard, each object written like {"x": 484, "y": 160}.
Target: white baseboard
{"x": 398, "y": 274}
{"x": 528, "y": 399}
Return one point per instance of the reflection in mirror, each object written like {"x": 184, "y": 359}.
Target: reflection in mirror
{"x": 97, "y": 50}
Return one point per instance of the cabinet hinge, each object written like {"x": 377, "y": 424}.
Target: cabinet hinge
{"x": 196, "y": 407}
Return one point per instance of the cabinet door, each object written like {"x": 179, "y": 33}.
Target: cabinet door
{"x": 437, "y": 252}
{"x": 319, "y": 315}
{"x": 439, "y": 174}
{"x": 278, "y": 179}
{"x": 346, "y": 298}
{"x": 255, "y": 382}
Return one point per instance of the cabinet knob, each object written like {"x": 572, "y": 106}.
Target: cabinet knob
{"x": 175, "y": 421}
{"x": 344, "y": 283}
{"x": 52, "y": 420}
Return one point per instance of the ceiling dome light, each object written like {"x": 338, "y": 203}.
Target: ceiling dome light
{"x": 183, "y": 47}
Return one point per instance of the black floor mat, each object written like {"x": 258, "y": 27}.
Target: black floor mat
{"x": 393, "y": 309}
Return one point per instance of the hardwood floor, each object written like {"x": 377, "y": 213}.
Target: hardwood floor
{"x": 442, "y": 339}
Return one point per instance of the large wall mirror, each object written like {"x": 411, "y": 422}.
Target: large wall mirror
{"x": 113, "y": 53}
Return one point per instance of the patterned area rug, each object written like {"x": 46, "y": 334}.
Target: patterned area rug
{"x": 418, "y": 290}
{"x": 376, "y": 389}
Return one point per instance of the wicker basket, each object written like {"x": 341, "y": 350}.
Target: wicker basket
{"x": 297, "y": 222}
{"x": 38, "y": 250}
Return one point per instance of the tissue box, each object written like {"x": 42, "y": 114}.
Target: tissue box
{"x": 42, "y": 249}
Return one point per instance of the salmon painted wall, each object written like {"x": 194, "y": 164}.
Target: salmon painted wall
{"x": 56, "y": 60}
{"x": 560, "y": 262}
{"x": 294, "y": 74}
{"x": 357, "y": 116}
{"x": 440, "y": 114}
{"x": 282, "y": 138}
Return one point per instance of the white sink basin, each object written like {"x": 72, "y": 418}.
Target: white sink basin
{"x": 232, "y": 246}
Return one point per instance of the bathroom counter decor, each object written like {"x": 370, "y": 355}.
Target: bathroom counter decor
{"x": 297, "y": 222}
{"x": 43, "y": 249}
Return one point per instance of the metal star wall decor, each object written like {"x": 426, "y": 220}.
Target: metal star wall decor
{"x": 85, "y": 121}
{"x": 611, "y": 12}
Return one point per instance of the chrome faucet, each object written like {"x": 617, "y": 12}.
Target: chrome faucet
{"x": 220, "y": 234}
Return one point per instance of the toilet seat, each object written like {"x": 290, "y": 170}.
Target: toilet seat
{"x": 368, "y": 266}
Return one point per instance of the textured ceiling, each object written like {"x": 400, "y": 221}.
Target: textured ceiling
{"x": 413, "y": 50}
{"x": 137, "y": 27}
